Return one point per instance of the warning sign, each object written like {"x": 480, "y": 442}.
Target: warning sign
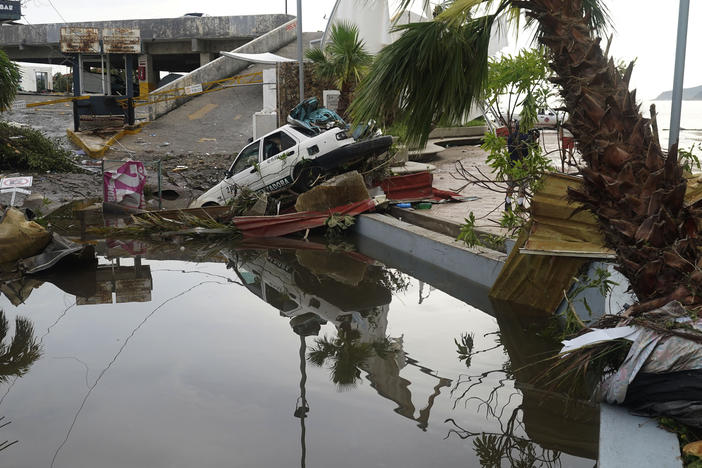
{"x": 193, "y": 89}
{"x": 16, "y": 182}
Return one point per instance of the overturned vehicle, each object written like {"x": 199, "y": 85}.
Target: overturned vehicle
{"x": 315, "y": 142}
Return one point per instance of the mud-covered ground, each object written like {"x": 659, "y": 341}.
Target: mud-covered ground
{"x": 198, "y": 165}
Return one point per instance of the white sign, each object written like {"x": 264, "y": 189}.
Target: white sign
{"x": 19, "y": 105}
{"x": 193, "y": 89}
{"x": 16, "y": 182}
{"x": 16, "y": 190}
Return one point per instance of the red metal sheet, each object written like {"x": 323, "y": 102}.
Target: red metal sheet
{"x": 281, "y": 225}
{"x": 414, "y": 187}
{"x": 409, "y": 187}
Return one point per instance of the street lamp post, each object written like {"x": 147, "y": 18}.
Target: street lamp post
{"x": 676, "y": 106}
{"x": 299, "y": 50}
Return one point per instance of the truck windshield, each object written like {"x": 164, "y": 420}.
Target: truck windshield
{"x": 246, "y": 158}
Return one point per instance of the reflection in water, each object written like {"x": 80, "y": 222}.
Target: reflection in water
{"x": 16, "y": 357}
{"x": 315, "y": 286}
{"x": 347, "y": 294}
{"x": 346, "y": 354}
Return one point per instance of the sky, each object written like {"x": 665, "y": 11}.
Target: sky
{"x": 644, "y": 29}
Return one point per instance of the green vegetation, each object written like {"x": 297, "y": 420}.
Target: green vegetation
{"x": 344, "y": 60}
{"x": 10, "y": 79}
{"x": 29, "y": 150}
{"x": 518, "y": 81}
{"x": 63, "y": 83}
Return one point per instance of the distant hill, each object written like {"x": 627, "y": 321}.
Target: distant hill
{"x": 689, "y": 94}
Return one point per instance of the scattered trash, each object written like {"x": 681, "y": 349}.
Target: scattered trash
{"x": 180, "y": 168}
{"x": 165, "y": 143}
{"x": 202, "y": 140}
{"x": 404, "y": 205}
{"x": 20, "y": 238}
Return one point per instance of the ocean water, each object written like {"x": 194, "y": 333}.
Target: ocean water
{"x": 690, "y": 122}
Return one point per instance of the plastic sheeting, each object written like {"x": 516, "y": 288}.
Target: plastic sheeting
{"x": 661, "y": 374}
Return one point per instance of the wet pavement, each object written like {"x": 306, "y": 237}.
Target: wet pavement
{"x": 272, "y": 355}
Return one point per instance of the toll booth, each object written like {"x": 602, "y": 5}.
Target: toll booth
{"x": 104, "y": 74}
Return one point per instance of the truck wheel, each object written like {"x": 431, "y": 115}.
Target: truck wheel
{"x": 306, "y": 176}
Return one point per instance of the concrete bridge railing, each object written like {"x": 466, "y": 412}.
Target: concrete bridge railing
{"x": 224, "y": 67}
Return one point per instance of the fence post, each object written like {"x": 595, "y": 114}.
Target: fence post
{"x": 160, "y": 198}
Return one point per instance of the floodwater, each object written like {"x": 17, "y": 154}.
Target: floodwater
{"x": 270, "y": 357}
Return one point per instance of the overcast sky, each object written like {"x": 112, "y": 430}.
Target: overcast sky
{"x": 645, "y": 29}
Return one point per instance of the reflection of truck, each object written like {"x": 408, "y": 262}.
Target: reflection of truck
{"x": 278, "y": 278}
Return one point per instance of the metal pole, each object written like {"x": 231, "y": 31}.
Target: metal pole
{"x": 286, "y": 7}
{"x": 160, "y": 197}
{"x": 683, "y": 14}
{"x": 299, "y": 51}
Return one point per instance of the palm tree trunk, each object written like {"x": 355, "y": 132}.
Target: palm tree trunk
{"x": 344, "y": 99}
{"x": 635, "y": 191}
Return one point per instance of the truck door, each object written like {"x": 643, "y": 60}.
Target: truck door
{"x": 279, "y": 153}
{"x": 245, "y": 171}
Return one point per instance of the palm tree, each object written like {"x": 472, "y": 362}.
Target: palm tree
{"x": 437, "y": 69}
{"x": 344, "y": 60}
{"x": 9, "y": 81}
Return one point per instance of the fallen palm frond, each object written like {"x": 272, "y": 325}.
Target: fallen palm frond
{"x": 155, "y": 225}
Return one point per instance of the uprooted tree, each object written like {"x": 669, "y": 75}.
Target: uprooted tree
{"x": 635, "y": 191}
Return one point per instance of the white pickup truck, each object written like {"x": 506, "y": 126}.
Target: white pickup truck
{"x": 290, "y": 156}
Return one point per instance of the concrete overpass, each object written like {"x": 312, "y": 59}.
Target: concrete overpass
{"x": 179, "y": 44}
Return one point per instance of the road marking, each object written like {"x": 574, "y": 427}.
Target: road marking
{"x": 203, "y": 111}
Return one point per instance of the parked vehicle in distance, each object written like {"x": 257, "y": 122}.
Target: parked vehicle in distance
{"x": 546, "y": 118}
{"x": 290, "y": 156}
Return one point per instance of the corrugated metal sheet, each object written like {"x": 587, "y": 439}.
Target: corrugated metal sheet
{"x": 557, "y": 229}
{"x": 534, "y": 284}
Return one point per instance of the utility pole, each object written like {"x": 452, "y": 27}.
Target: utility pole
{"x": 299, "y": 50}
{"x": 676, "y": 107}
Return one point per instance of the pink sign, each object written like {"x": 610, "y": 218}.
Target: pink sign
{"x": 125, "y": 186}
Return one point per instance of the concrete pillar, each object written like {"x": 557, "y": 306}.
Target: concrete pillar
{"x": 206, "y": 57}
{"x": 269, "y": 90}
{"x": 148, "y": 73}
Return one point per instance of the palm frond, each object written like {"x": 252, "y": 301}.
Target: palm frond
{"x": 10, "y": 79}
{"x": 433, "y": 73}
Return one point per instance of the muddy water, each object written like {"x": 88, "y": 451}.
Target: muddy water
{"x": 272, "y": 358}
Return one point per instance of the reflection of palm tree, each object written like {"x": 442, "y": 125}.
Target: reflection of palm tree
{"x": 21, "y": 352}
{"x": 347, "y": 354}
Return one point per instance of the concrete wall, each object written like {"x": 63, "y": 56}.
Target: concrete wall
{"x": 479, "y": 265}
{"x": 29, "y": 81}
{"x": 224, "y": 66}
{"x": 183, "y": 27}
